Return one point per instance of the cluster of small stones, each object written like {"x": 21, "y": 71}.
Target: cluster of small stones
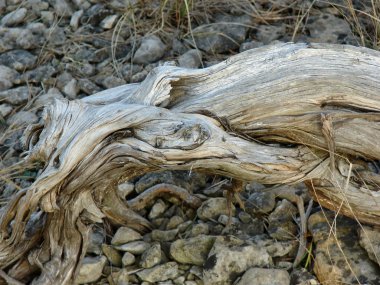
{"x": 208, "y": 246}
{"x": 51, "y": 49}
{"x": 204, "y": 245}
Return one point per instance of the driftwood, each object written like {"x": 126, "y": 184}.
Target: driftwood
{"x": 279, "y": 114}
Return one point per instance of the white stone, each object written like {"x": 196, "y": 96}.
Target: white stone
{"x": 109, "y": 22}
{"x": 158, "y": 273}
{"x": 128, "y": 259}
{"x": 7, "y": 76}
{"x": 230, "y": 256}
{"x": 124, "y": 235}
{"x": 150, "y": 50}
{"x": 264, "y": 276}
{"x": 14, "y": 18}
{"x": 75, "y": 18}
{"x": 47, "y": 17}
{"x": 5, "y": 110}
{"x": 158, "y": 209}
{"x": 190, "y": 59}
{"x": 90, "y": 269}
{"x": 135, "y": 247}
{"x": 22, "y": 118}
{"x": 71, "y": 89}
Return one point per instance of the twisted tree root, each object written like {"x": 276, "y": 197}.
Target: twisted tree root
{"x": 256, "y": 116}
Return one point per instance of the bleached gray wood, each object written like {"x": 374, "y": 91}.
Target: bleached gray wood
{"x": 257, "y": 116}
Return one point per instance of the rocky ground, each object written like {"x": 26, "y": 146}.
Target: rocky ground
{"x": 58, "y": 48}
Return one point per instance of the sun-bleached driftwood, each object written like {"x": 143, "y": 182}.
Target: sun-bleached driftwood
{"x": 279, "y": 114}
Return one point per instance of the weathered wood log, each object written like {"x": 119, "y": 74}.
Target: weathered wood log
{"x": 279, "y": 114}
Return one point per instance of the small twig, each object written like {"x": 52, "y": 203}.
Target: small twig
{"x": 303, "y": 231}
{"x": 308, "y": 210}
{"x": 145, "y": 198}
{"x": 9, "y": 280}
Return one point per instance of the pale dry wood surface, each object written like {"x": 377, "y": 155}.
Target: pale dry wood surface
{"x": 279, "y": 114}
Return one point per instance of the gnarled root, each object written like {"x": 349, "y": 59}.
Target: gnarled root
{"x": 209, "y": 120}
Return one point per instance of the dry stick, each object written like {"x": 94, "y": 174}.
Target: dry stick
{"x": 145, "y": 198}
{"x": 302, "y": 238}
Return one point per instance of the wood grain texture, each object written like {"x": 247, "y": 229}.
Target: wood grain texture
{"x": 279, "y": 114}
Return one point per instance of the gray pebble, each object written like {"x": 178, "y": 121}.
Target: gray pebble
{"x": 139, "y": 76}
{"x": 213, "y": 208}
{"x": 56, "y": 36}
{"x": 260, "y": 202}
{"x": 158, "y": 209}
{"x": 369, "y": 240}
{"x": 174, "y": 222}
{"x": 75, "y": 18}
{"x": 122, "y": 4}
{"x": 281, "y": 225}
{"x": 71, "y": 89}
{"x": 21, "y": 38}
{"x": 14, "y": 18}
{"x": 184, "y": 226}
{"x": 90, "y": 269}
{"x": 95, "y": 241}
{"x": 82, "y": 4}
{"x": 84, "y": 69}
{"x": 19, "y": 60}
{"x": 112, "y": 255}
{"x": 164, "y": 235}
{"x": 88, "y": 87}
{"x": 245, "y": 217}
{"x": 250, "y": 45}
{"x": 268, "y": 33}
{"x": 151, "y": 257}
{"x": 265, "y": 276}
{"x": 22, "y": 118}
{"x": 190, "y": 59}
{"x": 112, "y": 81}
{"x": 225, "y": 219}
{"x": 158, "y": 273}
{"x": 42, "y": 73}
{"x": 63, "y": 8}
{"x": 302, "y": 276}
{"x": 128, "y": 259}
{"x": 47, "y": 17}
{"x": 5, "y": 110}
{"x": 109, "y": 22}
{"x": 19, "y": 95}
{"x": 330, "y": 29}
{"x": 134, "y": 247}
{"x": 179, "y": 280}
{"x": 225, "y": 34}
{"x": 120, "y": 277}
{"x": 7, "y": 77}
{"x": 37, "y": 6}
{"x": 125, "y": 235}
{"x": 130, "y": 70}
{"x": 150, "y": 50}
{"x": 199, "y": 229}
{"x": 193, "y": 250}
{"x": 230, "y": 257}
